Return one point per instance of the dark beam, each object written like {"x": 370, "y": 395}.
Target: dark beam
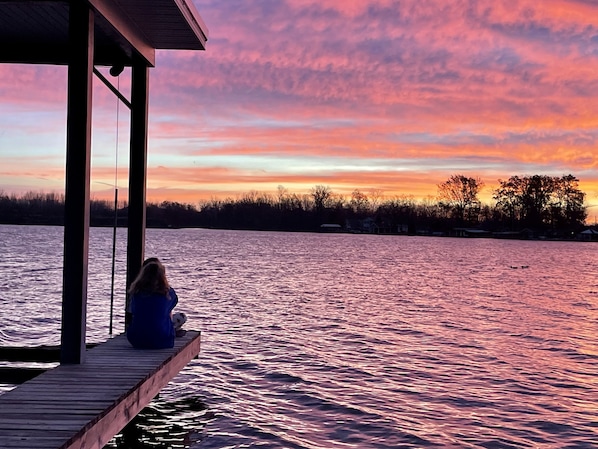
{"x": 41, "y": 354}
{"x": 78, "y": 157}
{"x": 110, "y": 86}
{"x": 126, "y": 29}
{"x": 16, "y": 376}
{"x": 53, "y": 54}
{"x": 137, "y": 169}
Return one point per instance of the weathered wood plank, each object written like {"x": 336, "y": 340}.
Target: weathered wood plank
{"x": 84, "y": 406}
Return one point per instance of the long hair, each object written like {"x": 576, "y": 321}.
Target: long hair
{"x": 151, "y": 279}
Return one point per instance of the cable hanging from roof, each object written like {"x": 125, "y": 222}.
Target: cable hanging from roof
{"x": 115, "y": 204}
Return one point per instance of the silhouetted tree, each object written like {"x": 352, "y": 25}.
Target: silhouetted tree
{"x": 397, "y": 213}
{"x": 321, "y": 195}
{"x": 459, "y": 195}
{"x": 540, "y": 201}
{"x": 535, "y": 198}
{"x": 375, "y": 197}
{"x": 554, "y": 206}
{"x": 508, "y": 199}
{"x": 359, "y": 202}
{"x": 567, "y": 203}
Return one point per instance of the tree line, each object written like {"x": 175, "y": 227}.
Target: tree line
{"x": 545, "y": 205}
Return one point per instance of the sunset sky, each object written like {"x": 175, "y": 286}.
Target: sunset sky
{"x": 392, "y": 96}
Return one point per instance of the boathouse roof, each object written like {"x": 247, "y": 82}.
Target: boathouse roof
{"x": 37, "y": 31}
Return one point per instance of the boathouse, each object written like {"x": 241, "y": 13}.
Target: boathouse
{"x": 84, "y": 35}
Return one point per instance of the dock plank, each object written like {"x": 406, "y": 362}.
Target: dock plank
{"x": 84, "y": 406}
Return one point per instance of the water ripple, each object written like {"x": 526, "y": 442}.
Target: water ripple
{"x": 316, "y": 341}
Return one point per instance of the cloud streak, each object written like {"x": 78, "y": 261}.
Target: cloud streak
{"x": 389, "y": 95}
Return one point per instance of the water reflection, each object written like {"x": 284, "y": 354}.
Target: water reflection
{"x": 175, "y": 423}
{"x": 337, "y": 341}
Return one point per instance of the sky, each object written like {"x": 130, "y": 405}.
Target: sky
{"x": 385, "y": 96}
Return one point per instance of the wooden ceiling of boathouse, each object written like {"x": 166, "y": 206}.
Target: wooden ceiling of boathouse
{"x": 36, "y": 31}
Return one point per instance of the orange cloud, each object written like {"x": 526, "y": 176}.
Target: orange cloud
{"x": 361, "y": 94}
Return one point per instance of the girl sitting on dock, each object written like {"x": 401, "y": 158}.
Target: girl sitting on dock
{"x": 151, "y": 305}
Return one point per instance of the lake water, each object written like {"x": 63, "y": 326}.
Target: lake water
{"x": 346, "y": 341}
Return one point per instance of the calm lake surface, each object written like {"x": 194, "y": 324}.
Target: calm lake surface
{"x": 345, "y": 341}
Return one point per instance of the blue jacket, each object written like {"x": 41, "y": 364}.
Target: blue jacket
{"x": 151, "y": 326}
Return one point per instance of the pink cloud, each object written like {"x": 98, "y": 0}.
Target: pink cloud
{"x": 472, "y": 84}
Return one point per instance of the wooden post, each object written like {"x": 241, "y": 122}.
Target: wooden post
{"x": 137, "y": 171}
{"x": 78, "y": 157}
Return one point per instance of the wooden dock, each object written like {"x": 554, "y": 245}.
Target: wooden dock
{"x": 84, "y": 406}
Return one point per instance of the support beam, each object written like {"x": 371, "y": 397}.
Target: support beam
{"x": 137, "y": 170}
{"x": 78, "y": 161}
{"x": 110, "y": 86}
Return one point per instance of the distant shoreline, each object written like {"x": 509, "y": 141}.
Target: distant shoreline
{"x": 291, "y": 213}
{"x": 458, "y": 235}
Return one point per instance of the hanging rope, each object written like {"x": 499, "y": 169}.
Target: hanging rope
{"x": 115, "y": 208}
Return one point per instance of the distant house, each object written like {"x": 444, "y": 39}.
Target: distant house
{"x": 589, "y": 235}
{"x": 330, "y": 227}
{"x": 369, "y": 225}
{"x": 468, "y": 232}
{"x": 403, "y": 228}
{"x": 362, "y": 225}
